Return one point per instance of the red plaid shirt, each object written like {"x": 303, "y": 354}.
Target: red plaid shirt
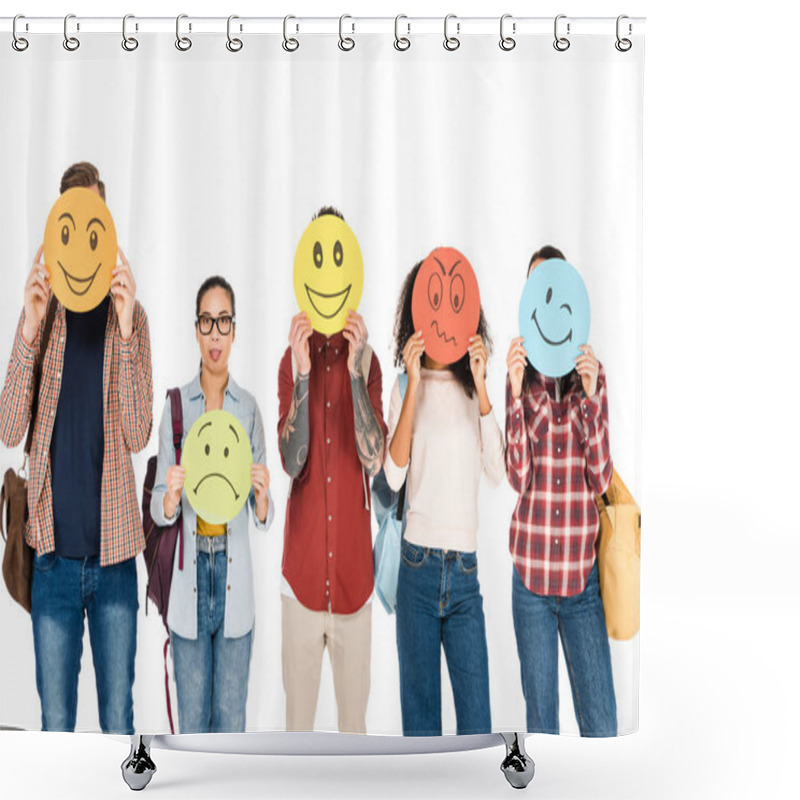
{"x": 558, "y": 460}
{"x": 128, "y": 418}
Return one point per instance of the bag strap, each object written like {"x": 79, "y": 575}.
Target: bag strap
{"x": 3, "y": 512}
{"x": 37, "y": 369}
{"x": 402, "y": 383}
{"x": 166, "y": 683}
{"x": 176, "y": 407}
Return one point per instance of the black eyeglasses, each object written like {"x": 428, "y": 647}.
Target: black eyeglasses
{"x": 206, "y": 324}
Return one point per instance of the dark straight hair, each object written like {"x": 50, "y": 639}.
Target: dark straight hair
{"x": 214, "y": 282}
{"x": 404, "y": 330}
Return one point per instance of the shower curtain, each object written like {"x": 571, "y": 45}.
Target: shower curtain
{"x": 215, "y": 159}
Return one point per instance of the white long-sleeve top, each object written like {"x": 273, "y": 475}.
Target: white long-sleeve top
{"x": 451, "y": 444}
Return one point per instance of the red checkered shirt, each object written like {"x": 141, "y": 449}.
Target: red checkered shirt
{"x": 558, "y": 460}
{"x": 128, "y": 419}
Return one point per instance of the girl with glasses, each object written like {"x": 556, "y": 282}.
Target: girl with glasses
{"x": 211, "y": 606}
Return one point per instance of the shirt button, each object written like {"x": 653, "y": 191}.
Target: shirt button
{"x": 558, "y": 419}
{"x": 328, "y": 441}
{"x": 329, "y": 478}
{"x": 557, "y": 512}
{"x": 328, "y": 404}
{"x": 558, "y": 481}
{"x": 328, "y": 368}
{"x": 330, "y": 517}
{"x": 319, "y": 349}
{"x": 558, "y": 449}
{"x": 327, "y": 583}
{"x": 229, "y": 587}
{"x": 336, "y": 351}
{"x": 330, "y": 555}
{"x": 556, "y": 541}
{"x": 230, "y": 560}
{"x": 195, "y": 589}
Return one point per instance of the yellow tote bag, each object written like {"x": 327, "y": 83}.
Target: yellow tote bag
{"x": 619, "y": 556}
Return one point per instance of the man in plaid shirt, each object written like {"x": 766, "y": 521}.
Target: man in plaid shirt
{"x": 558, "y": 459}
{"x": 95, "y": 409}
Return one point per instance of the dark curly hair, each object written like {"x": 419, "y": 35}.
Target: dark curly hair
{"x": 404, "y": 330}
{"x": 571, "y": 380}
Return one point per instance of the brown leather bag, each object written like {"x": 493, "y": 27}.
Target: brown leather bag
{"x": 18, "y": 555}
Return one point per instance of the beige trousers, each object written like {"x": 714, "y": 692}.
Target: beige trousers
{"x": 348, "y": 638}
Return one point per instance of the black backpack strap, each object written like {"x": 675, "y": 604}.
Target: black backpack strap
{"x": 401, "y": 501}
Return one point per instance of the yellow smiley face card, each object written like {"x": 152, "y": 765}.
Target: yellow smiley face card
{"x": 217, "y": 457}
{"x": 328, "y": 273}
{"x": 80, "y": 249}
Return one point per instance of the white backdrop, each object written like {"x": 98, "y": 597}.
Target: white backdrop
{"x": 720, "y": 597}
{"x": 215, "y": 162}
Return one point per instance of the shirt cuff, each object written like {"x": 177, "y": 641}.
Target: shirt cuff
{"x": 590, "y": 408}
{"x": 26, "y": 353}
{"x": 395, "y": 476}
{"x": 129, "y": 349}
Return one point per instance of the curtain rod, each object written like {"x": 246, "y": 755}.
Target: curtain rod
{"x": 326, "y": 25}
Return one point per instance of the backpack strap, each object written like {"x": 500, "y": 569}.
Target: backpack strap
{"x": 37, "y": 369}
{"x": 176, "y": 407}
{"x": 402, "y": 383}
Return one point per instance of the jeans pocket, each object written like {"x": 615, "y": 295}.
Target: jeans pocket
{"x": 413, "y": 556}
{"x": 468, "y": 562}
{"x": 44, "y": 562}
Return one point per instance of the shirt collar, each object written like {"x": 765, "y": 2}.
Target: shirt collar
{"x": 196, "y": 390}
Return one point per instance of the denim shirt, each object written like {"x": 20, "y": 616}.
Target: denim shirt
{"x": 239, "y": 600}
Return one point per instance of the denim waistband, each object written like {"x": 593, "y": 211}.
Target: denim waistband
{"x": 440, "y": 552}
{"x": 212, "y": 544}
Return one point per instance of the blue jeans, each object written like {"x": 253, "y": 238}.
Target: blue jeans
{"x": 580, "y": 620}
{"x": 211, "y": 671}
{"x": 63, "y": 591}
{"x": 439, "y": 604}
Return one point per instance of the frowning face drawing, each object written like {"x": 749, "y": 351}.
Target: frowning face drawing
{"x": 446, "y": 304}
{"x": 217, "y": 457}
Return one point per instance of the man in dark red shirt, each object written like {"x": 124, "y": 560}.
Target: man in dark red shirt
{"x": 331, "y": 438}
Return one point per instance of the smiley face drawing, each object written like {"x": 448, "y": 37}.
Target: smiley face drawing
{"x": 80, "y": 249}
{"x": 446, "y": 304}
{"x": 217, "y": 457}
{"x": 554, "y": 317}
{"x": 328, "y": 273}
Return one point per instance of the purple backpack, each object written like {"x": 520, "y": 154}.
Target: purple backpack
{"x": 160, "y": 543}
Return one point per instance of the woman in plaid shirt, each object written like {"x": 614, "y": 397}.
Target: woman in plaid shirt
{"x": 558, "y": 460}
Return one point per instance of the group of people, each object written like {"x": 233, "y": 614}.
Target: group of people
{"x": 95, "y": 410}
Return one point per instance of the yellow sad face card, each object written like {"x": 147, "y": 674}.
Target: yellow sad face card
{"x": 217, "y": 457}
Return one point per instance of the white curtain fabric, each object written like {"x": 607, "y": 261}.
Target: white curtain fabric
{"x": 215, "y": 162}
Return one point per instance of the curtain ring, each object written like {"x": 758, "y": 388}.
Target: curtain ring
{"x": 233, "y": 44}
{"x": 561, "y": 43}
{"x": 19, "y": 43}
{"x": 71, "y": 43}
{"x": 183, "y": 43}
{"x": 129, "y": 43}
{"x": 289, "y": 44}
{"x": 346, "y": 43}
{"x": 401, "y": 43}
{"x": 506, "y": 42}
{"x": 451, "y": 42}
{"x": 623, "y": 45}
